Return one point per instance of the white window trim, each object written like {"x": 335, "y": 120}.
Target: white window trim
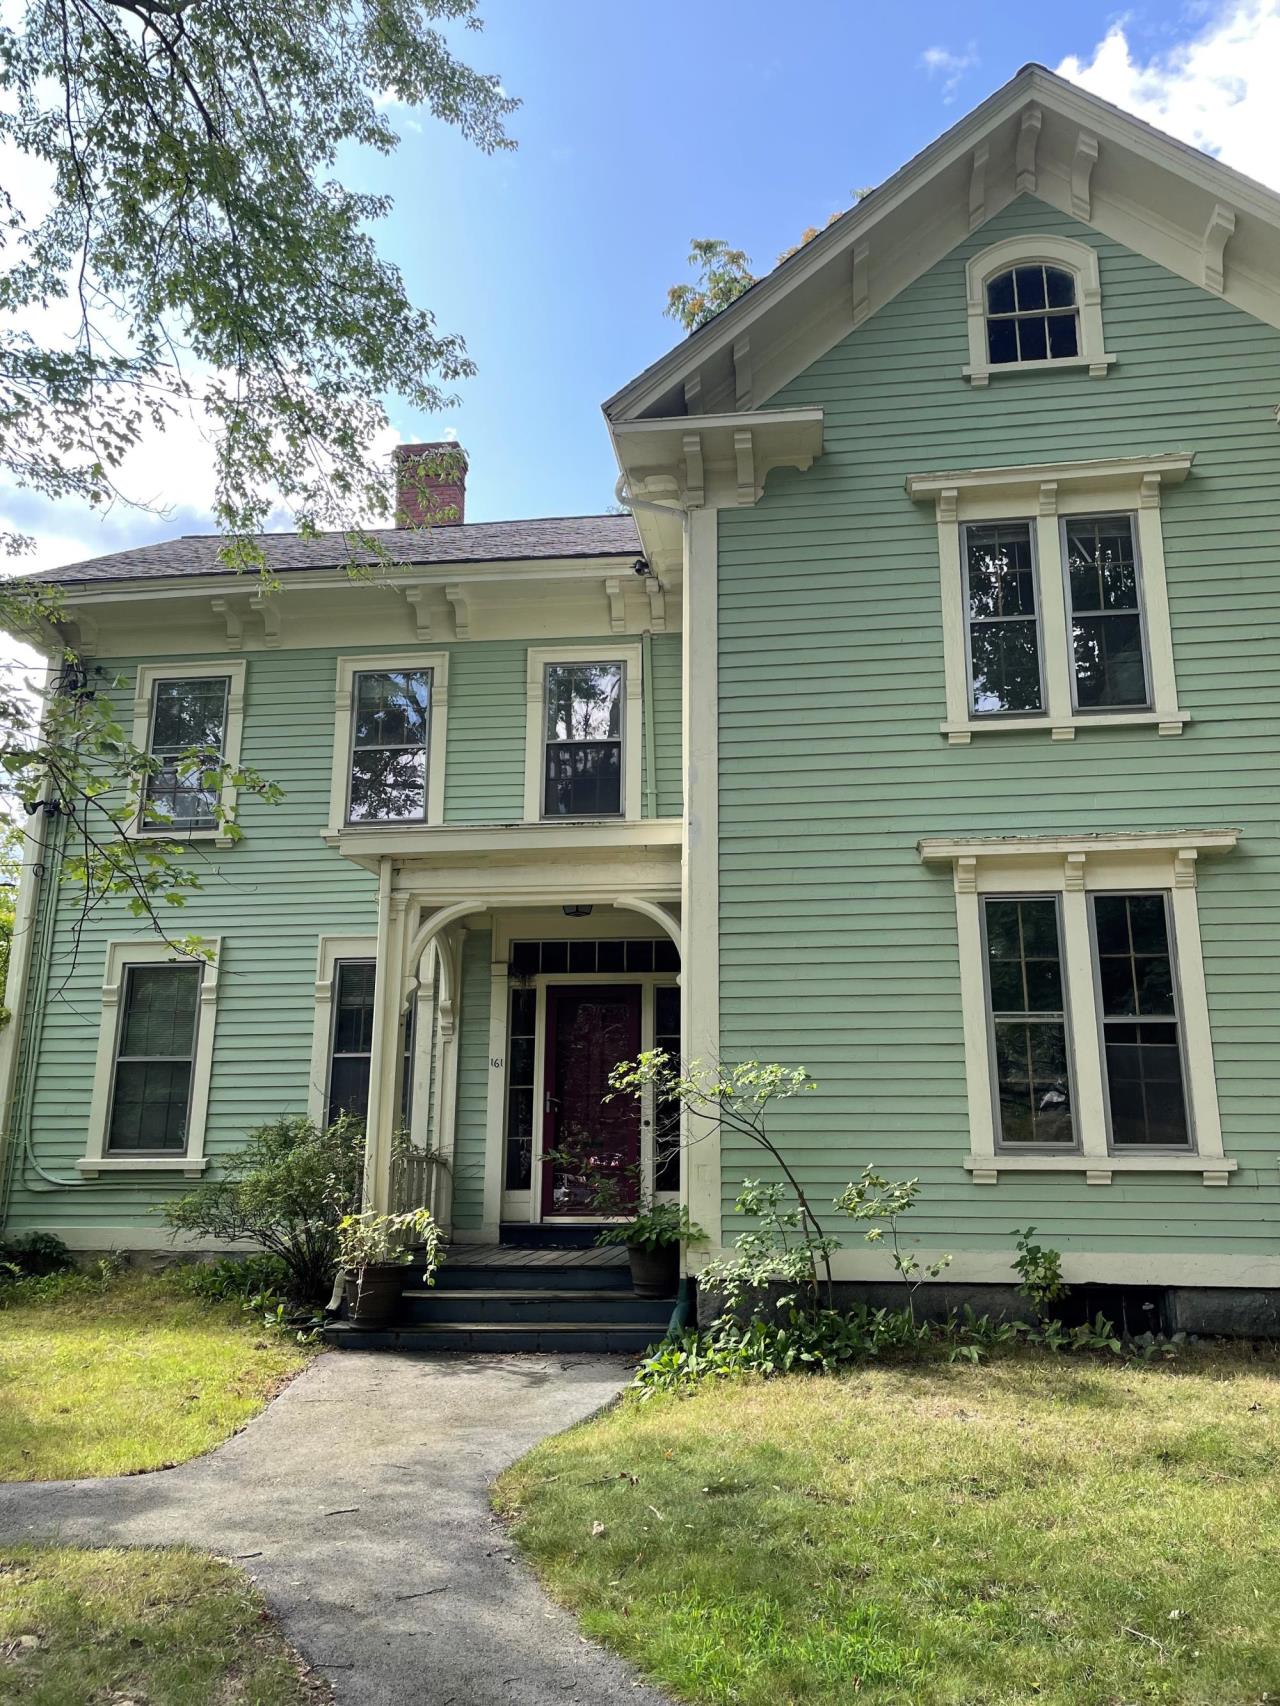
{"x": 1072, "y": 867}
{"x": 629, "y": 656}
{"x": 1044, "y": 494}
{"x": 330, "y": 951}
{"x": 344, "y": 730}
{"x": 143, "y": 697}
{"x": 120, "y": 956}
{"x": 1076, "y": 258}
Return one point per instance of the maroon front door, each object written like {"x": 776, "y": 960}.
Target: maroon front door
{"x": 589, "y": 1141}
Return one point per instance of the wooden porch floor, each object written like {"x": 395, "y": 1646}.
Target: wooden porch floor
{"x": 516, "y": 1256}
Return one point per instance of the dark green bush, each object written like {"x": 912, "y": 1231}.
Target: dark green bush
{"x": 36, "y": 1253}
{"x": 286, "y": 1192}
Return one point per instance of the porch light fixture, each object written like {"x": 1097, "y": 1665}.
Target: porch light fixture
{"x": 576, "y": 911}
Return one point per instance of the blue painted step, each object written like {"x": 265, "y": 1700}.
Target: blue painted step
{"x": 495, "y": 1339}
{"x": 464, "y": 1278}
{"x": 500, "y": 1302}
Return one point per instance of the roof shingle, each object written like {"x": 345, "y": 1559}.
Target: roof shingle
{"x": 472, "y": 542}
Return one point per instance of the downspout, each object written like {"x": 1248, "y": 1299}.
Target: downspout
{"x": 679, "y": 1321}
{"x": 29, "y": 1024}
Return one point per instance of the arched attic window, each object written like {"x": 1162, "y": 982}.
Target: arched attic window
{"x": 1032, "y": 315}
{"x": 1034, "y": 305}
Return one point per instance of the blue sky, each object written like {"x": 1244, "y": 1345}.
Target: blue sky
{"x": 642, "y": 127}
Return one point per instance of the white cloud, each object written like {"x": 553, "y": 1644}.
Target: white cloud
{"x": 1216, "y": 91}
{"x": 950, "y": 66}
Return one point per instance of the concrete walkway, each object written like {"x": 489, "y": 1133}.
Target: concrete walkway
{"x": 358, "y": 1502}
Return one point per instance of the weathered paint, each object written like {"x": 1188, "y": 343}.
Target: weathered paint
{"x": 838, "y": 950}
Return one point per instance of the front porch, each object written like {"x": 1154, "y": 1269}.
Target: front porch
{"x": 502, "y": 1298}
{"x": 507, "y": 987}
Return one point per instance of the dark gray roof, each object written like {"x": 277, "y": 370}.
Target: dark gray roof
{"x": 473, "y": 542}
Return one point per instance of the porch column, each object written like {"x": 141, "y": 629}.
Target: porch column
{"x": 448, "y": 945}
{"x": 385, "y": 1051}
{"x": 700, "y": 864}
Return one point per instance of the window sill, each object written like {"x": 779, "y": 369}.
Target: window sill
{"x": 190, "y": 1166}
{"x": 1098, "y": 367}
{"x": 1065, "y": 728}
{"x": 1099, "y": 1169}
{"x": 209, "y": 837}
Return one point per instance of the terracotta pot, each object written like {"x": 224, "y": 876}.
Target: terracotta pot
{"x": 654, "y": 1273}
{"x": 373, "y": 1296}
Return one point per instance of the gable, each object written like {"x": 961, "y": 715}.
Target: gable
{"x": 1039, "y": 135}
{"x": 1186, "y": 362}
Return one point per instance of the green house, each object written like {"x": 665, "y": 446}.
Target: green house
{"x": 920, "y": 726}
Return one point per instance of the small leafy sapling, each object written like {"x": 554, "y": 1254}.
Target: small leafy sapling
{"x": 1040, "y": 1271}
{"x": 875, "y": 1198}
{"x": 782, "y": 1248}
{"x": 737, "y": 1100}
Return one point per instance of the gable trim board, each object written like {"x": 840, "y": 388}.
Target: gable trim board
{"x": 1039, "y": 136}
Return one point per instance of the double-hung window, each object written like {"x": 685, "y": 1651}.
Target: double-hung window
{"x": 1086, "y": 1019}
{"x": 1027, "y": 1009}
{"x": 1055, "y": 610}
{"x": 155, "y": 1058}
{"x": 583, "y": 749}
{"x": 389, "y": 741}
{"x": 155, "y": 1050}
{"x": 351, "y": 1043}
{"x": 1108, "y": 654}
{"x": 584, "y": 736}
{"x": 188, "y": 719}
{"x": 1141, "y": 1031}
{"x": 1004, "y": 621}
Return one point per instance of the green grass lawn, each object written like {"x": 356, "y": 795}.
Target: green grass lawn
{"x": 136, "y": 1377}
{"x": 157, "y": 1628}
{"x": 1066, "y": 1532}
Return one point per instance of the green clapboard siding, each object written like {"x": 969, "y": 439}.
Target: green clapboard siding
{"x": 270, "y": 898}
{"x": 838, "y": 949}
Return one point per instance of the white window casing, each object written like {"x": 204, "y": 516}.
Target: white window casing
{"x": 121, "y": 955}
{"x": 1076, "y": 258}
{"x": 538, "y": 660}
{"x": 1045, "y": 495}
{"x": 1073, "y": 868}
{"x": 330, "y": 951}
{"x": 144, "y": 695}
{"x": 344, "y": 732}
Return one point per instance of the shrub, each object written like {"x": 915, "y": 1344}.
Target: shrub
{"x": 287, "y": 1190}
{"x": 233, "y": 1279}
{"x": 36, "y": 1253}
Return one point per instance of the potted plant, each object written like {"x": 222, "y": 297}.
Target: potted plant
{"x": 653, "y": 1237}
{"x": 374, "y": 1251}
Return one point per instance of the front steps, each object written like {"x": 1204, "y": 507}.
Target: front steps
{"x": 543, "y": 1306}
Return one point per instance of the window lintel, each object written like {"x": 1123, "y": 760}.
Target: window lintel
{"x": 1135, "y": 478}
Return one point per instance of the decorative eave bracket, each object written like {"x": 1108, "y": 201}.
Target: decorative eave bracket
{"x": 716, "y": 461}
{"x": 1218, "y": 233}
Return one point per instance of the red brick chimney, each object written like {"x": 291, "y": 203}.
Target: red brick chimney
{"x": 431, "y": 485}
